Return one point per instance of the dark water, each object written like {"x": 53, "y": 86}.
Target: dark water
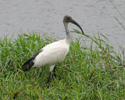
{"x": 45, "y": 16}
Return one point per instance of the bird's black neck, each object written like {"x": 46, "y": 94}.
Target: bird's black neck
{"x": 67, "y": 32}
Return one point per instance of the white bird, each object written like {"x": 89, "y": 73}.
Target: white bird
{"x": 52, "y": 53}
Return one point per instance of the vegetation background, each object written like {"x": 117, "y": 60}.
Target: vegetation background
{"x": 96, "y": 72}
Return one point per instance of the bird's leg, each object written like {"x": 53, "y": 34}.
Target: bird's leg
{"x": 51, "y": 69}
{"x": 49, "y": 76}
{"x": 54, "y": 71}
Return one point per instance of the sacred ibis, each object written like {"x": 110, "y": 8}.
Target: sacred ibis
{"x": 52, "y": 53}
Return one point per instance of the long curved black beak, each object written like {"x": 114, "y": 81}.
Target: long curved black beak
{"x": 74, "y": 22}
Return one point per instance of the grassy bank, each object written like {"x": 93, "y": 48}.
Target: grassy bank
{"x": 87, "y": 73}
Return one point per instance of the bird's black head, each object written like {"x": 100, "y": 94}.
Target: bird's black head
{"x": 68, "y": 19}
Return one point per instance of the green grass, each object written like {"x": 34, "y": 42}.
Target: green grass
{"x": 87, "y": 73}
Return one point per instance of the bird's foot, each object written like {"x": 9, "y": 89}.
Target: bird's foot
{"x": 49, "y": 76}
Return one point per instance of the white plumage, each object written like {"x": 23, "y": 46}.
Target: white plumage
{"x": 52, "y": 53}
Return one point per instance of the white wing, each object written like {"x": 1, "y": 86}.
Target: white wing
{"x": 52, "y": 54}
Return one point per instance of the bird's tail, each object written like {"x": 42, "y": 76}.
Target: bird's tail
{"x": 28, "y": 64}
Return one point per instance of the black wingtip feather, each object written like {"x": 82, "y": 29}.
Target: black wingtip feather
{"x": 28, "y": 65}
